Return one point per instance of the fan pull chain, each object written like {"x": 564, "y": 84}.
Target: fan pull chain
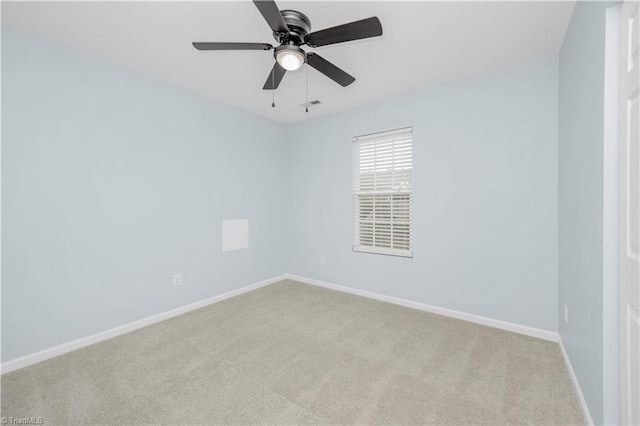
{"x": 306, "y": 105}
{"x": 273, "y": 89}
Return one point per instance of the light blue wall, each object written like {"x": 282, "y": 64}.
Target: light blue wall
{"x": 580, "y": 197}
{"x": 111, "y": 183}
{"x": 485, "y": 227}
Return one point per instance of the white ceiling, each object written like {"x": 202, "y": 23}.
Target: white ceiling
{"x": 424, "y": 44}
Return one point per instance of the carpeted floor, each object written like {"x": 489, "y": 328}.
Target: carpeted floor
{"x": 292, "y": 353}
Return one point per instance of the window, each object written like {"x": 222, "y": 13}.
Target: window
{"x": 383, "y": 192}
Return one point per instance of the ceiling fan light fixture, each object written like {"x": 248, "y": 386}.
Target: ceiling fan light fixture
{"x": 290, "y": 58}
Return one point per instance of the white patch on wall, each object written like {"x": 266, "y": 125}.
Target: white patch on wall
{"x": 235, "y": 234}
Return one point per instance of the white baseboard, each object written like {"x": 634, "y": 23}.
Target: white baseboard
{"x": 516, "y": 328}
{"x": 36, "y": 357}
{"x": 576, "y": 385}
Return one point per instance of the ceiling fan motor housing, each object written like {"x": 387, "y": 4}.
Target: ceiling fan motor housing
{"x": 299, "y": 26}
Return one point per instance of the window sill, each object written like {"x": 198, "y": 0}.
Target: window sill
{"x": 384, "y": 251}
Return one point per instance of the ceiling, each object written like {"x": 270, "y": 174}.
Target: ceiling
{"x": 423, "y": 44}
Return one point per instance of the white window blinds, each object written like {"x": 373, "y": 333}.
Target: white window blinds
{"x": 383, "y": 192}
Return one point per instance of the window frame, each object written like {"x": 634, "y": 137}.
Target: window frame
{"x": 358, "y": 193}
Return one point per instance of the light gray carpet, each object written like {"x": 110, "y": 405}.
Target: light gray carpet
{"x": 296, "y": 354}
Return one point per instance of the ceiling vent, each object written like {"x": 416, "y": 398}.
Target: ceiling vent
{"x": 310, "y": 103}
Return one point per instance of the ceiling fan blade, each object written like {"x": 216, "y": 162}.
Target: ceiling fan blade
{"x": 271, "y": 14}
{"x": 357, "y": 30}
{"x": 231, "y": 46}
{"x": 330, "y": 70}
{"x": 275, "y": 77}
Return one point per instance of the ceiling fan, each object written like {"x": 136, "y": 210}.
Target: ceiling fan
{"x": 291, "y": 29}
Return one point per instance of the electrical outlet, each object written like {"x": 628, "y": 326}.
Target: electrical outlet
{"x": 323, "y": 260}
{"x": 566, "y": 313}
{"x": 177, "y": 280}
